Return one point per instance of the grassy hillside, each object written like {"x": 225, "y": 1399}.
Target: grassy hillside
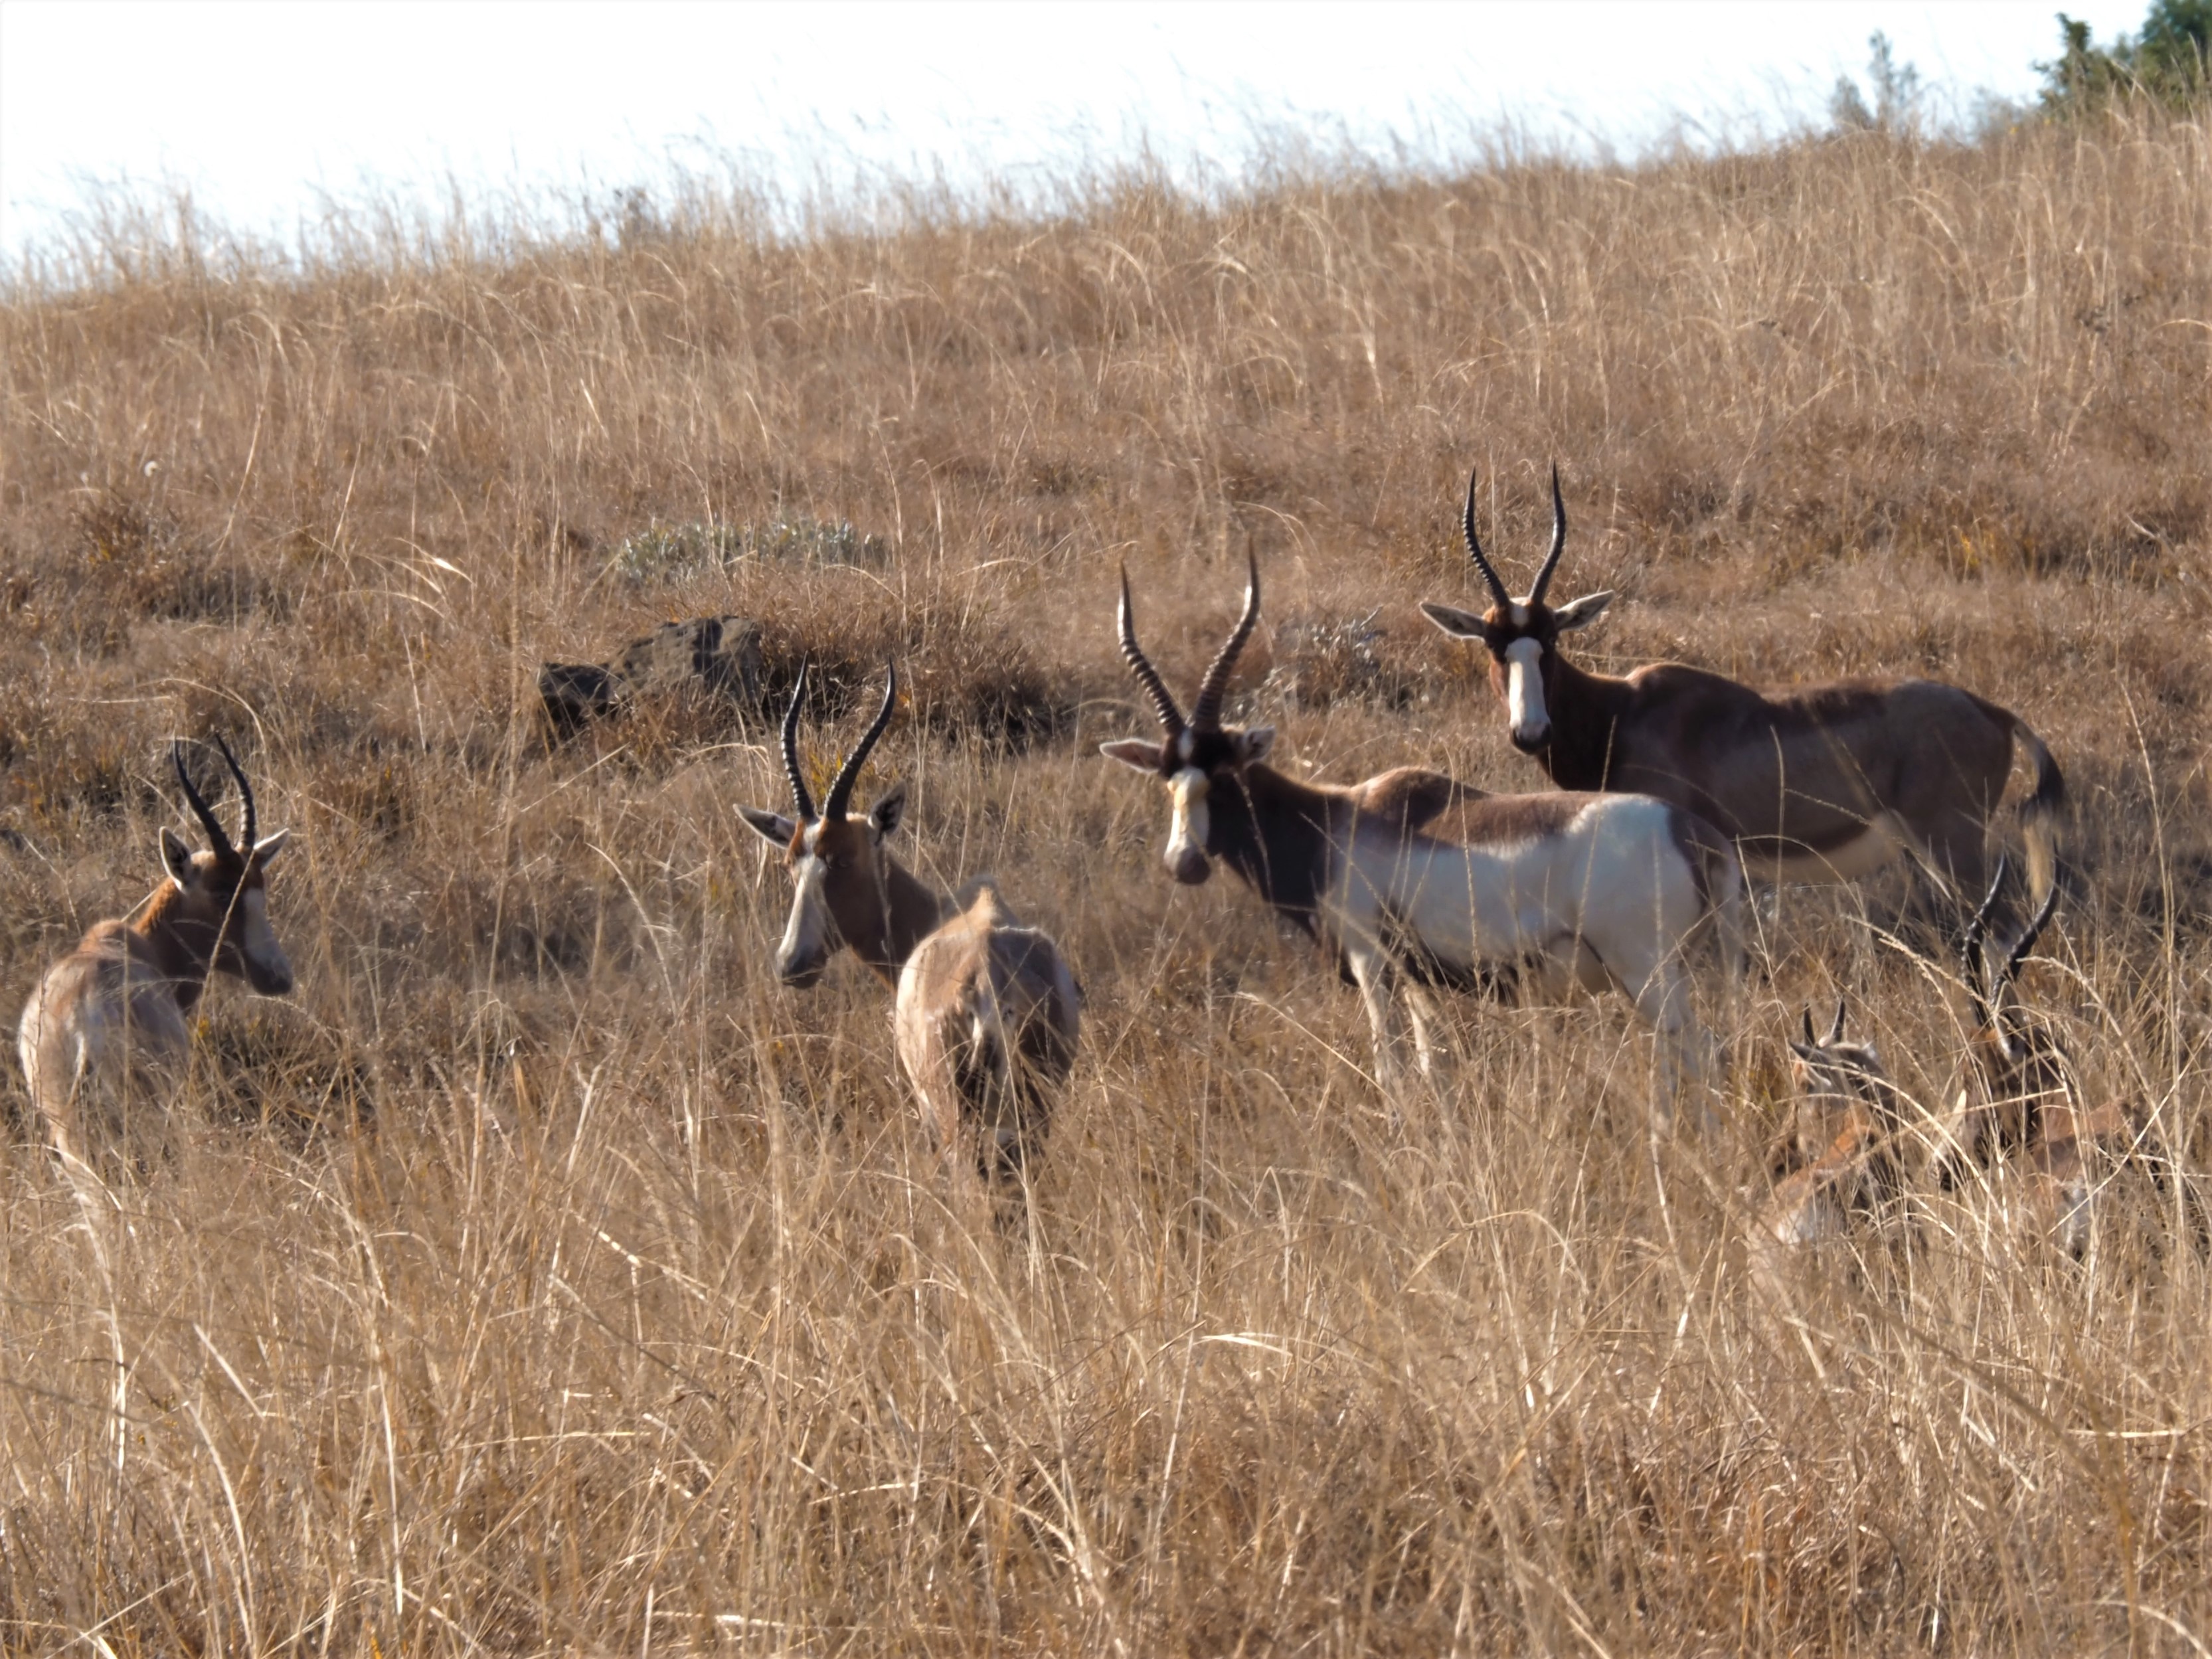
{"x": 542, "y": 1277}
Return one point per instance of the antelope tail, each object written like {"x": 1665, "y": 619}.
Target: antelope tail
{"x": 2039, "y": 814}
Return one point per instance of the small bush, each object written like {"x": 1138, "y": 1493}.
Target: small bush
{"x": 672, "y": 553}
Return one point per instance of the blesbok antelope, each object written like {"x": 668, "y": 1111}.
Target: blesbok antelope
{"x": 2023, "y": 1097}
{"x": 987, "y": 1015}
{"x": 101, "y": 1036}
{"x": 1840, "y": 1159}
{"x": 1824, "y": 783}
{"x": 1596, "y": 891}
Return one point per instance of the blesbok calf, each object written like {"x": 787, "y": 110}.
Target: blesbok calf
{"x": 1841, "y": 1157}
{"x": 1821, "y": 782}
{"x": 1595, "y": 890}
{"x": 102, "y": 1037}
{"x": 987, "y": 1015}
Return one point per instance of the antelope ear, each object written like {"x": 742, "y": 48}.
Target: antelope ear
{"x": 1460, "y": 624}
{"x": 1582, "y": 611}
{"x": 1136, "y": 753}
{"x": 266, "y": 849}
{"x": 887, "y": 811}
{"x": 176, "y": 856}
{"x": 769, "y": 826}
{"x": 1253, "y": 744}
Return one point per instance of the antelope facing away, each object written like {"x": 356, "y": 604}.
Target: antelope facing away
{"x": 1813, "y": 783}
{"x": 1595, "y": 890}
{"x": 987, "y": 1015}
{"x": 102, "y": 1035}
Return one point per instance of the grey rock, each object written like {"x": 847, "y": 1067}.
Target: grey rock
{"x": 719, "y": 656}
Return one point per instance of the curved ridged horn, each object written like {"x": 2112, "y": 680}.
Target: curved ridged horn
{"x": 1977, "y": 930}
{"x": 1205, "y": 711}
{"x": 1558, "y": 541}
{"x": 245, "y": 795}
{"x": 804, "y": 801}
{"x": 840, "y": 790}
{"x": 2036, "y": 924}
{"x": 218, "y": 837}
{"x": 1164, "y": 702}
{"x": 1811, "y": 1041}
{"x": 1475, "y": 550}
{"x": 1836, "y": 1031}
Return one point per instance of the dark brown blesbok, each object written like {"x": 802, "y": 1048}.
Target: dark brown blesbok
{"x": 1824, "y": 782}
{"x": 103, "y": 1035}
{"x": 986, "y": 1014}
{"x": 1596, "y": 891}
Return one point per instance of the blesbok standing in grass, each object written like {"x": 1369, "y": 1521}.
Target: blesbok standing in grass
{"x": 1824, "y": 783}
{"x": 1595, "y": 890}
{"x": 102, "y": 1037}
{"x": 987, "y": 1015}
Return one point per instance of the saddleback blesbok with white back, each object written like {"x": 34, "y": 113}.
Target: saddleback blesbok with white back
{"x": 1595, "y": 890}
{"x": 102, "y": 1036}
{"x": 1813, "y": 783}
{"x": 986, "y": 1016}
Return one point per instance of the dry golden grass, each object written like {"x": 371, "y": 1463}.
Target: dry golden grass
{"x": 543, "y": 1279}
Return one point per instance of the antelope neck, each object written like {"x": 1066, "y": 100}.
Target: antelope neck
{"x": 1584, "y": 708}
{"x": 183, "y": 945}
{"x": 910, "y": 912}
{"x": 1273, "y": 832}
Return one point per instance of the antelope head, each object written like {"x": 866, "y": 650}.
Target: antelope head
{"x": 1198, "y": 757}
{"x": 1832, "y": 1074}
{"x": 1847, "y": 1108}
{"x": 221, "y": 907}
{"x": 839, "y": 869}
{"x": 1520, "y": 634}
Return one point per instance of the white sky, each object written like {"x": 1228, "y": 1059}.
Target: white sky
{"x": 262, "y": 109}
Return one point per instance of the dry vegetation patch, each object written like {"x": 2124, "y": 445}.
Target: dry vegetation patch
{"x": 544, "y": 1278}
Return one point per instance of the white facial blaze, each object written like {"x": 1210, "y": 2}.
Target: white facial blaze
{"x": 1187, "y": 836}
{"x": 260, "y": 938}
{"x": 1524, "y": 690}
{"x": 804, "y": 932}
